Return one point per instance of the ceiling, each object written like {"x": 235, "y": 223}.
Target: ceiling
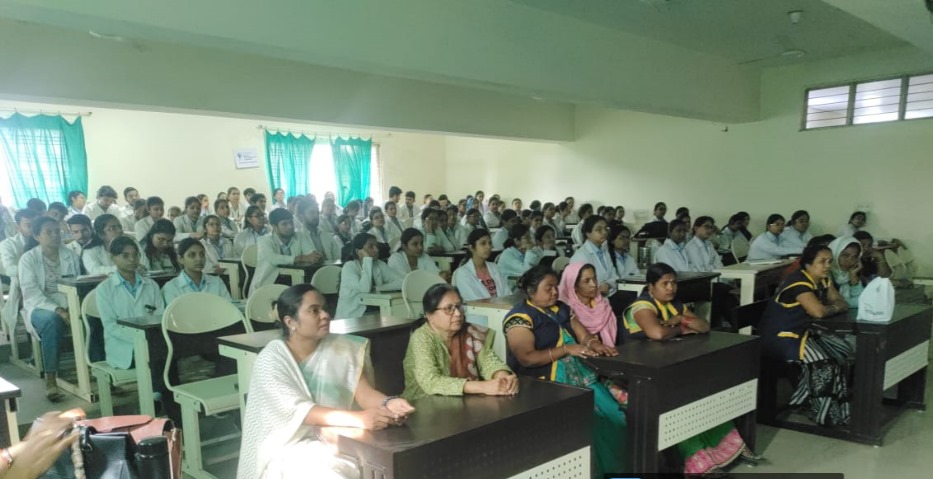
{"x": 692, "y": 58}
{"x": 753, "y": 32}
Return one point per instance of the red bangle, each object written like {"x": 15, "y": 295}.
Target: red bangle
{"x": 7, "y": 457}
{"x": 685, "y": 321}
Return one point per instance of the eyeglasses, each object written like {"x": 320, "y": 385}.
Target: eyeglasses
{"x": 450, "y": 309}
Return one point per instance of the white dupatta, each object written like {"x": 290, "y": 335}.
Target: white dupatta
{"x": 276, "y": 443}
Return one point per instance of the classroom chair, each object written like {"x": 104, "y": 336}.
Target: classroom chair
{"x": 107, "y": 375}
{"x": 414, "y": 286}
{"x": 249, "y": 261}
{"x": 259, "y": 310}
{"x": 740, "y": 247}
{"x": 560, "y": 263}
{"x": 327, "y": 281}
{"x": 190, "y": 325}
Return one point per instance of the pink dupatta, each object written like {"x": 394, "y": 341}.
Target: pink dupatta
{"x": 598, "y": 317}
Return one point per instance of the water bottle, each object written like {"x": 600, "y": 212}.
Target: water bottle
{"x": 152, "y": 460}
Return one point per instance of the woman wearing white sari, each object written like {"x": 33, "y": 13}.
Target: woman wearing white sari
{"x": 307, "y": 380}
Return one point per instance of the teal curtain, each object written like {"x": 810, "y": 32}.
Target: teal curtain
{"x": 351, "y": 167}
{"x": 288, "y": 160}
{"x": 45, "y": 157}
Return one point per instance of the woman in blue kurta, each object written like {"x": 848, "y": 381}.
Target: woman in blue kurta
{"x": 540, "y": 333}
{"x": 786, "y": 336}
{"x": 657, "y": 315}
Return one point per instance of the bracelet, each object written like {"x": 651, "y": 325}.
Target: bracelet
{"x": 7, "y": 457}
{"x": 387, "y": 399}
{"x": 550, "y": 355}
{"x": 588, "y": 341}
{"x": 565, "y": 350}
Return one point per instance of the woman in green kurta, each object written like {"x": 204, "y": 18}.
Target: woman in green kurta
{"x": 450, "y": 357}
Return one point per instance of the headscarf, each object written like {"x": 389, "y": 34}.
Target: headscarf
{"x": 598, "y": 317}
{"x": 838, "y": 275}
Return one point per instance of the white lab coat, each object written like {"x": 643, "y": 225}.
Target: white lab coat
{"x": 399, "y": 263}
{"x": 32, "y": 281}
{"x": 358, "y": 278}
{"x": 269, "y": 257}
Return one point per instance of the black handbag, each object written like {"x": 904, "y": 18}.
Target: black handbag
{"x": 122, "y": 447}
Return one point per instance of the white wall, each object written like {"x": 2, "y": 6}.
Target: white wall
{"x": 177, "y": 155}
{"x": 636, "y": 159}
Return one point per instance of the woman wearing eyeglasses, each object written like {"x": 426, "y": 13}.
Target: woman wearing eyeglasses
{"x": 96, "y": 257}
{"x": 254, "y": 226}
{"x": 448, "y": 356}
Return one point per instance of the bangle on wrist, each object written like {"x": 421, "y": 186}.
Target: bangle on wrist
{"x": 7, "y": 457}
{"x": 550, "y": 355}
{"x": 385, "y": 401}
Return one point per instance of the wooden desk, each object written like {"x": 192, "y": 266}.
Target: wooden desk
{"x": 9, "y": 427}
{"x": 231, "y": 267}
{"x": 678, "y": 389}
{"x": 892, "y": 354}
{"x": 691, "y": 287}
{"x": 494, "y": 311}
{"x": 390, "y": 303}
{"x": 388, "y": 338}
{"x": 751, "y": 276}
{"x": 75, "y": 290}
{"x": 448, "y": 261}
{"x": 544, "y": 431}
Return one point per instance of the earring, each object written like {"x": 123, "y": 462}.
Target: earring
{"x": 294, "y": 329}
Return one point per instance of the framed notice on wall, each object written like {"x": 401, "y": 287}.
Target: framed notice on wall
{"x": 246, "y": 158}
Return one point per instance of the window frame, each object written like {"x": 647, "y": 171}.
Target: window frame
{"x": 850, "y": 108}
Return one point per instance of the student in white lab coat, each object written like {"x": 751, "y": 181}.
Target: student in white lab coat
{"x": 577, "y": 235}
{"x": 478, "y": 278}
{"x": 352, "y": 211}
{"x": 254, "y": 227}
{"x": 156, "y": 208}
{"x": 447, "y": 224}
{"x": 186, "y": 225}
{"x": 798, "y": 234}
{"x": 215, "y": 245}
{"x": 507, "y": 219}
{"x": 551, "y": 218}
{"x": 41, "y": 267}
{"x": 59, "y": 211}
{"x": 673, "y": 252}
{"x": 139, "y": 211}
{"x": 77, "y": 201}
{"x": 411, "y": 256}
{"x": 470, "y": 223}
{"x": 193, "y": 279}
{"x": 158, "y": 248}
{"x": 126, "y": 294}
{"x": 11, "y": 250}
{"x": 329, "y": 216}
{"x": 595, "y": 252}
{"x": 364, "y": 273}
{"x": 278, "y": 199}
{"x": 618, "y": 244}
{"x": 381, "y": 230}
{"x": 511, "y": 262}
{"x": 856, "y": 222}
{"x": 407, "y": 212}
{"x": 228, "y": 227}
{"x": 309, "y": 218}
{"x": 96, "y": 259}
{"x": 106, "y": 203}
{"x": 81, "y": 232}
{"x": 544, "y": 245}
{"x": 395, "y": 194}
{"x": 342, "y": 237}
{"x": 393, "y": 224}
{"x": 282, "y": 246}
{"x": 492, "y": 215}
{"x": 237, "y": 208}
{"x": 770, "y": 244}
{"x": 131, "y": 196}
{"x": 435, "y": 241}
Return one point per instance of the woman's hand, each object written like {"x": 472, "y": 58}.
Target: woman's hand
{"x": 507, "y": 382}
{"x": 400, "y": 407}
{"x": 376, "y": 418}
{"x": 674, "y": 321}
{"x": 854, "y": 273}
{"x": 604, "y": 288}
{"x": 602, "y": 350}
{"x": 578, "y": 351}
{"x": 37, "y": 454}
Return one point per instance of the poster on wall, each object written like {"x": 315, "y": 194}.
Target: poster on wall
{"x": 246, "y": 158}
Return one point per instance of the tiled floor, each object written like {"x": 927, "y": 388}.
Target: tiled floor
{"x": 905, "y": 453}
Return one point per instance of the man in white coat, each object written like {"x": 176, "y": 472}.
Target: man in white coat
{"x": 281, "y": 247}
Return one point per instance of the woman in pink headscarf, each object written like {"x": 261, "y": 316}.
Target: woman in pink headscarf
{"x": 579, "y": 289}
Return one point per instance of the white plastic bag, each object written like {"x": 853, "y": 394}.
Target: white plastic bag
{"x": 876, "y": 303}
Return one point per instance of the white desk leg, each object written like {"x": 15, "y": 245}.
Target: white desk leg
{"x": 747, "y": 289}
{"x": 233, "y": 275}
{"x": 10, "y": 408}
{"x": 143, "y": 374}
{"x": 83, "y": 388}
{"x": 244, "y": 370}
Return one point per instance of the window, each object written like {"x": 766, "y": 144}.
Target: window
{"x": 323, "y": 178}
{"x": 902, "y": 98}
